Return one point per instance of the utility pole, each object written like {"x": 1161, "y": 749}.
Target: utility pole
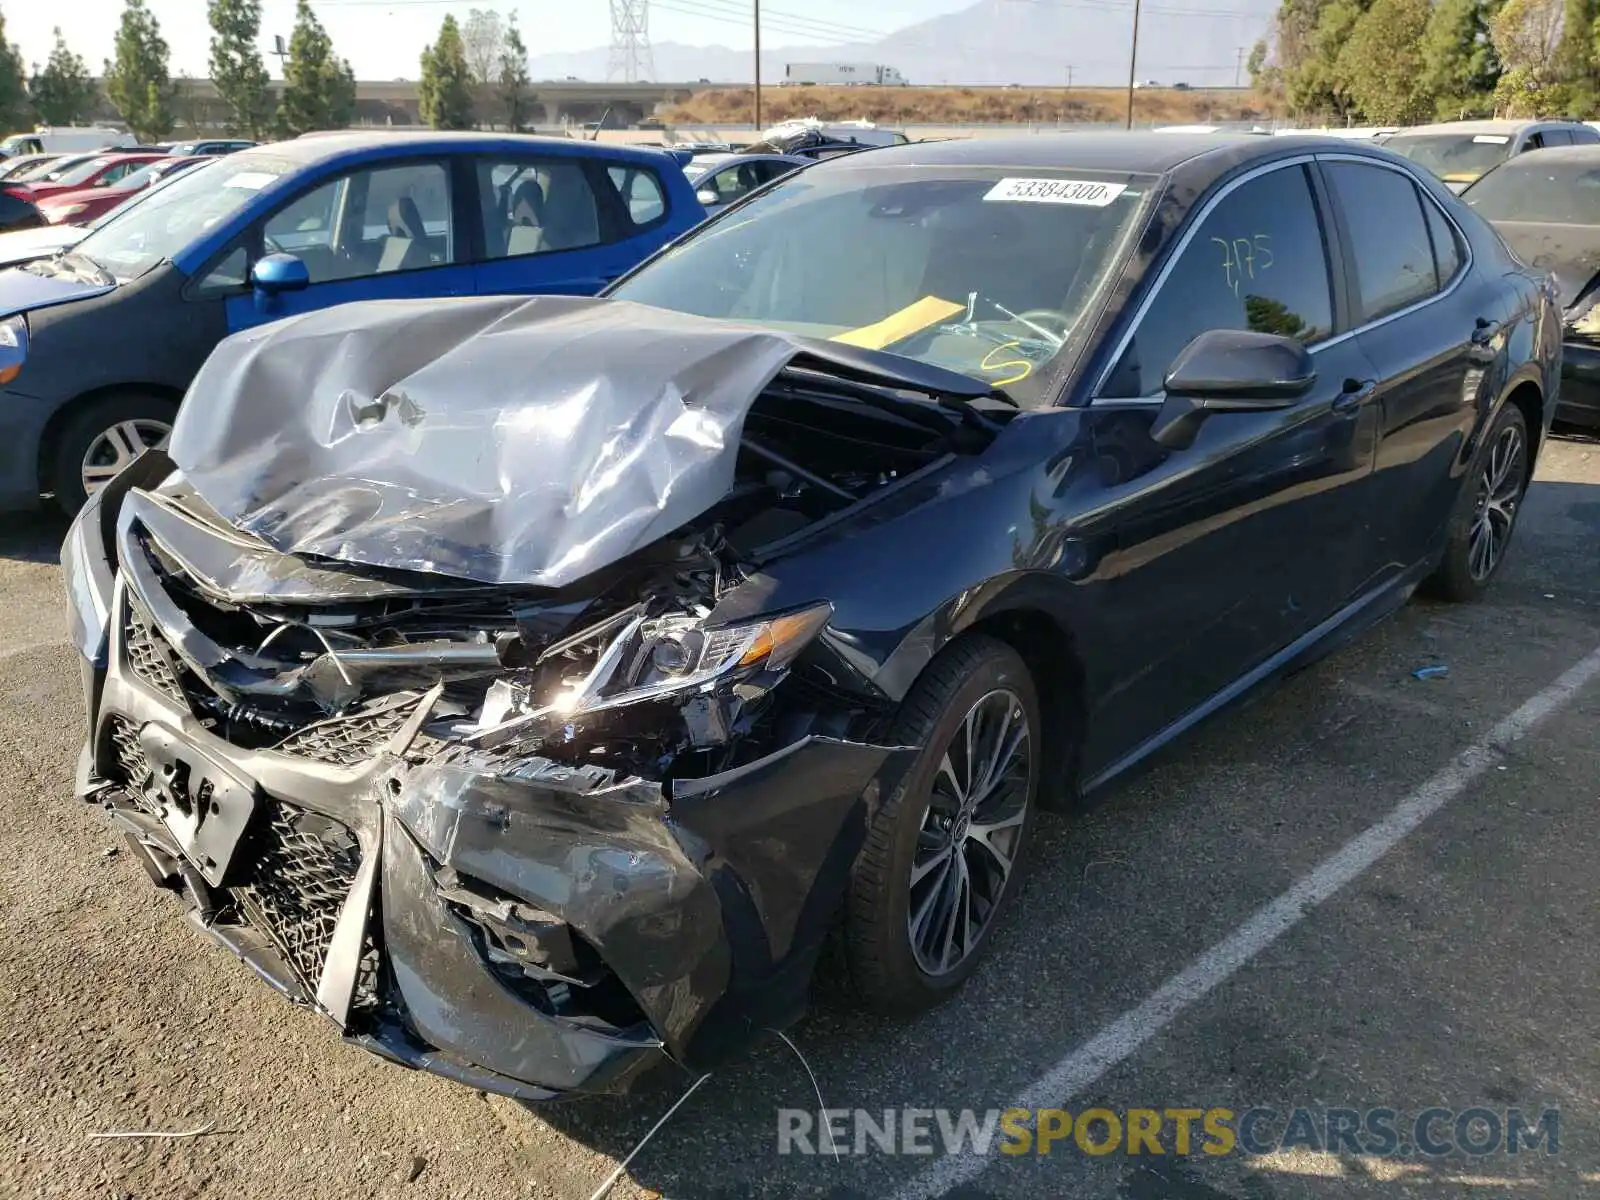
{"x": 1238, "y": 66}
{"x": 1069, "y": 77}
{"x": 1133, "y": 61}
{"x": 758, "y": 66}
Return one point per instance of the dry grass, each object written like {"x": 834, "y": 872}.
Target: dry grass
{"x": 962, "y": 106}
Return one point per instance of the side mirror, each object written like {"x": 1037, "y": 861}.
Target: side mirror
{"x": 706, "y": 197}
{"x": 277, "y": 273}
{"x": 1230, "y": 370}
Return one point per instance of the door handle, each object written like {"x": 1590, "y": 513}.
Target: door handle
{"x": 1484, "y": 331}
{"x": 1355, "y": 394}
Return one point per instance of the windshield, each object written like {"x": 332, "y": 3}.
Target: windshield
{"x": 84, "y": 171}
{"x": 144, "y": 176}
{"x": 175, "y": 214}
{"x": 975, "y": 269}
{"x": 1535, "y": 189}
{"x": 50, "y": 168}
{"x": 1453, "y": 157}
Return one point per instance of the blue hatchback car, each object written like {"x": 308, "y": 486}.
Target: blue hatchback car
{"x": 99, "y": 343}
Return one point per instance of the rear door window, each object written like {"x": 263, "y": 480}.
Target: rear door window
{"x": 1447, "y": 254}
{"x": 537, "y": 206}
{"x": 1257, "y": 261}
{"x": 641, "y": 193}
{"x": 1389, "y": 241}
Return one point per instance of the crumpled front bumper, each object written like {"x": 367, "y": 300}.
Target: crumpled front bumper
{"x": 335, "y": 864}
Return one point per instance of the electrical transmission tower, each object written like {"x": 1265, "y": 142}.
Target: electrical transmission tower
{"x": 631, "y": 60}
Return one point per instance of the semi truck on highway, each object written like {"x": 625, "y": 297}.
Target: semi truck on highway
{"x": 845, "y": 74}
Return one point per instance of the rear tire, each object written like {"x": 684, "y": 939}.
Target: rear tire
{"x": 909, "y": 944}
{"x": 102, "y": 438}
{"x": 1485, "y": 516}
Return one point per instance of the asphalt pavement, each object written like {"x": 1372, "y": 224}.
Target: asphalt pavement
{"x": 1365, "y": 891}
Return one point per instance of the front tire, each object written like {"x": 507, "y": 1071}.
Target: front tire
{"x": 944, "y": 851}
{"x": 1486, "y": 512}
{"x": 101, "y": 439}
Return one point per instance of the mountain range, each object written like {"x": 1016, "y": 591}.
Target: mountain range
{"x": 991, "y": 42}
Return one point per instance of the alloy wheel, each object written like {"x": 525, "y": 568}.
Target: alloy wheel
{"x": 114, "y": 448}
{"x": 970, "y": 834}
{"x": 1494, "y": 509}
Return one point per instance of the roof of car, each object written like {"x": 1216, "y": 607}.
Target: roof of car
{"x": 322, "y": 147}
{"x": 1140, "y": 152}
{"x": 1469, "y": 127}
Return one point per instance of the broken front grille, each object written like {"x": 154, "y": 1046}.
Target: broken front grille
{"x": 302, "y": 869}
{"x": 132, "y": 766}
{"x": 348, "y": 741}
{"x": 147, "y": 653}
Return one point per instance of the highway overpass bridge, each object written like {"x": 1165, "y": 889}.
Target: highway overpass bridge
{"x": 551, "y": 102}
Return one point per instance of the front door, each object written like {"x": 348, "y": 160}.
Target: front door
{"x": 382, "y": 232}
{"x": 1224, "y": 552}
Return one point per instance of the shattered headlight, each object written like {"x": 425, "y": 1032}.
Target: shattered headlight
{"x": 678, "y": 654}
{"x": 659, "y": 659}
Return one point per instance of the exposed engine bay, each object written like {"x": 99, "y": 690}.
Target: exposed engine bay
{"x": 623, "y": 668}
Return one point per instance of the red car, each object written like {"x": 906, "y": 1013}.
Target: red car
{"x": 101, "y": 171}
{"x": 79, "y": 206}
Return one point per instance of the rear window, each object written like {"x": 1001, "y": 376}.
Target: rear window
{"x": 1534, "y": 188}
{"x": 1454, "y": 157}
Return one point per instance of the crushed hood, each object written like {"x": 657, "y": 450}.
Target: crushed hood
{"x": 499, "y": 440}
{"x": 1569, "y": 252}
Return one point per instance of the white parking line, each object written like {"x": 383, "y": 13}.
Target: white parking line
{"x": 1123, "y": 1037}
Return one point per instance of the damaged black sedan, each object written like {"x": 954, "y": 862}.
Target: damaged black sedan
{"x": 534, "y": 687}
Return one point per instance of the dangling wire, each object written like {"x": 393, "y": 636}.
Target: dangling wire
{"x": 822, "y": 1106}
{"x": 605, "y": 1188}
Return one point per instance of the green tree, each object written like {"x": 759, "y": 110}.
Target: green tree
{"x": 445, "y": 90}
{"x": 319, "y": 89}
{"x": 16, "y": 114}
{"x": 1459, "y": 64}
{"x": 341, "y": 95}
{"x": 513, "y": 79}
{"x": 1527, "y": 37}
{"x": 1574, "y": 60}
{"x": 1300, "y": 62}
{"x": 137, "y": 80}
{"x": 236, "y": 67}
{"x": 63, "y": 91}
{"x": 1382, "y": 63}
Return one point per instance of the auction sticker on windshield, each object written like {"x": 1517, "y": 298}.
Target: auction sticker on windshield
{"x": 1056, "y": 191}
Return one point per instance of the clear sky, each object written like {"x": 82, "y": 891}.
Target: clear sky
{"x": 382, "y": 38}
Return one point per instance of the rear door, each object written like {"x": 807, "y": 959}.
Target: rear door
{"x": 1428, "y": 324}
{"x": 1225, "y": 552}
{"x": 562, "y": 224}
{"x": 383, "y": 231}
